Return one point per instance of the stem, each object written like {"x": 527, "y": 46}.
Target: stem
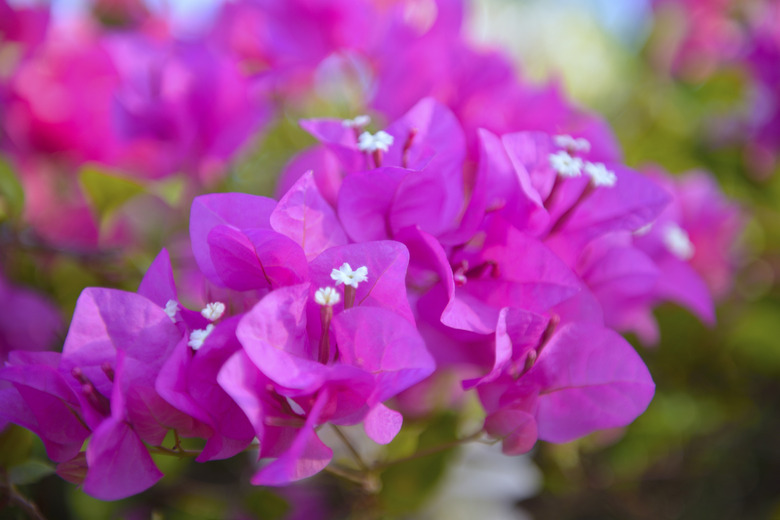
{"x": 564, "y": 218}
{"x": 345, "y": 473}
{"x": 326, "y": 314}
{"x": 358, "y": 459}
{"x": 349, "y": 296}
{"x": 430, "y": 451}
{"x": 17, "y": 499}
{"x": 181, "y": 454}
{"x": 407, "y": 147}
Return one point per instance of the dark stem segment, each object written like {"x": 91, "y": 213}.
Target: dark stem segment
{"x": 564, "y": 218}
{"x": 10, "y": 495}
{"x": 349, "y": 296}
{"x": 326, "y": 314}
{"x": 98, "y": 401}
{"x": 377, "y": 155}
{"x": 108, "y": 370}
{"x": 407, "y": 147}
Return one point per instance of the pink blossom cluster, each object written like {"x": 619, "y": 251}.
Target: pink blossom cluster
{"x": 489, "y": 230}
{"x": 320, "y": 312}
{"x": 140, "y": 102}
{"x": 701, "y": 37}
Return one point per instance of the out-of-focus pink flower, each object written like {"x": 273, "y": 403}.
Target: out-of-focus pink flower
{"x": 25, "y": 26}
{"x": 28, "y": 322}
{"x": 59, "y": 101}
{"x": 179, "y": 107}
{"x": 699, "y": 36}
{"x": 687, "y": 255}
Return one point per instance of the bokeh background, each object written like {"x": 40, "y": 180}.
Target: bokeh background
{"x": 707, "y": 447}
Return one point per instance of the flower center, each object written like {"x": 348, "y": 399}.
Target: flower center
{"x": 213, "y": 311}
{"x": 198, "y": 337}
{"x": 375, "y": 144}
{"x": 345, "y": 275}
{"x": 172, "y": 309}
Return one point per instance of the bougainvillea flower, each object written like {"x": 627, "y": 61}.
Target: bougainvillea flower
{"x": 684, "y": 256}
{"x": 284, "y": 435}
{"x": 23, "y": 25}
{"x": 180, "y": 107}
{"x": 304, "y": 216}
{"x": 60, "y": 100}
{"x": 492, "y": 276}
{"x": 188, "y": 378}
{"x": 235, "y": 246}
{"x": 40, "y": 399}
{"x": 337, "y": 364}
{"x": 581, "y": 379}
{"x": 115, "y": 348}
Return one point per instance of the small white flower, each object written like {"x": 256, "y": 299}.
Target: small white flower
{"x": 600, "y": 175}
{"x": 198, "y": 336}
{"x": 565, "y": 164}
{"x": 678, "y": 242}
{"x": 327, "y": 296}
{"x": 357, "y": 122}
{"x": 171, "y": 308}
{"x": 213, "y": 311}
{"x": 579, "y": 144}
{"x": 368, "y": 142}
{"x": 347, "y": 276}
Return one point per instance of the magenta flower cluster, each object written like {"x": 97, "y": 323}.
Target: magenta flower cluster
{"x": 488, "y": 231}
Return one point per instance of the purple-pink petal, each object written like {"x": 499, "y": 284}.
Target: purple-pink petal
{"x": 304, "y": 216}
{"x": 239, "y": 210}
{"x": 119, "y": 464}
{"x": 590, "y": 378}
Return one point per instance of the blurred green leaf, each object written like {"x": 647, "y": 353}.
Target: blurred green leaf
{"x": 11, "y": 192}
{"x": 407, "y": 485}
{"x": 71, "y": 278}
{"x": 754, "y": 338}
{"x": 30, "y": 471}
{"x": 265, "y": 504}
{"x": 107, "y": 192}
{"x": 84, "y": 507}
{"x": 198, "y": 506}
{"x": 171, "y": 189}
{"x": 15, "y": 445}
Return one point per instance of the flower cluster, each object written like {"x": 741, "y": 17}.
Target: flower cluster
{"x": 699, "y": 39}
{"x": 488, "y": 231}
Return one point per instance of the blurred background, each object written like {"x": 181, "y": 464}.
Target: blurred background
{"x": 686, "y": 85}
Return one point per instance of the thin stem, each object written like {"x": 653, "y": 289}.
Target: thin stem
{"x": 17, "y": 499}
{"x": 358, "y": 459}
{"x": 345, "y": 473}
{"x": 162, "y": 450}
{"x": 430, "y": 451}
{"x": 177, "y": 441}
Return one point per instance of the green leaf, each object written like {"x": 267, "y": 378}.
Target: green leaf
{"x": 754, "y": 338}
{"x": 171, "y": 190}
{"x": 15, "y": 446}
{"x": 107, "y": 192}
{"x": 407, "y": 485}
{"x": 30, "y": 471}
{"x": 11, "y": 192}
{"x": 264, "y": 503}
